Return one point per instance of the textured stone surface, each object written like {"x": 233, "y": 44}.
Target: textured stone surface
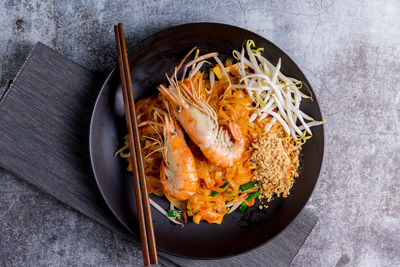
{"x": 349, "y": 50}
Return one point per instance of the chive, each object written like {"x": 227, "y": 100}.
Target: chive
{"x": 252, "y": 196}
{"x": 174, "y": 213}
{"x": 242, "y": 207}
{"x": 248, "y": 186}
{"x": 214, "y": 193}
{"x": 224, "y": 185}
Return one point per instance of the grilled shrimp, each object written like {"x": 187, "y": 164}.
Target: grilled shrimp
{"x": 178, "y": 173}
{"x": 199, "y": 121}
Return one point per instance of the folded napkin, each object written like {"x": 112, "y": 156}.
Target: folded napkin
{"x": 44, "y": 127}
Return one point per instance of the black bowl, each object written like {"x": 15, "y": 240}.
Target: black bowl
{"x": 149, "y": 61}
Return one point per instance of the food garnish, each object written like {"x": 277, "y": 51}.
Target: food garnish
{"x": 274, "y": 94}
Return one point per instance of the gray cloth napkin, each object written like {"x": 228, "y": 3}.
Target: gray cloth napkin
{"x": 44, "y": 126}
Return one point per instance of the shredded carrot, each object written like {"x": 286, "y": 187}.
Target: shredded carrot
{"x": 184, "y": 217}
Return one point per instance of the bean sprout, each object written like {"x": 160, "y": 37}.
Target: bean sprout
{"x": 163, "y": 212}
{"x": 274, "y": 94}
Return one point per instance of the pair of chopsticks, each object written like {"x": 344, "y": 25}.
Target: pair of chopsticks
{"x": 142, "y": 198}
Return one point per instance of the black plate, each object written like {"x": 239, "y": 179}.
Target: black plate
{"x": 149, "y": 61}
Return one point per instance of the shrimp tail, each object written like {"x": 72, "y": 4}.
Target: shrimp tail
{"x": 224, "y": 153}
{"x": 235, "y": 131}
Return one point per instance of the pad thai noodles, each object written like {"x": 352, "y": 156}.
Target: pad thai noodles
{"x": 222, "y": 139}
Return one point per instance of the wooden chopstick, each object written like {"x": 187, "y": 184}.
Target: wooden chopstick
{"x": 145, "y": 195}
{"x": 147, "y": 237}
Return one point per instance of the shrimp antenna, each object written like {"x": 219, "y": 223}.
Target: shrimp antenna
{"x": 194, "y": 61}
{"x": 157, "y": 111}
{"x": 168, "y": 107}
{"x": 172, "y": 95}
{"x": 196, "y": 55}
{"x": 158, "y": 149}
{"x": 149, "y": 122}
{"x": 181, "y": 62}
{"x": 159, "y": 136}
{"x": 174, "y": 84}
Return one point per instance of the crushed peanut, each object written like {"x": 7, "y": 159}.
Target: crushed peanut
{"x": 274, "y": 163}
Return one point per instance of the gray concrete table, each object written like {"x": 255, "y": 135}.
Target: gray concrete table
{"x": 349, "y": 50}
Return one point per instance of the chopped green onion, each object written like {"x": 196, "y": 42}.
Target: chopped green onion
{"x": 214, "y": 193}
{"x": 174, "y": 214}
{"x": 245, "y": 187}
{"x": 243, "y": 207}
{"x": 252, "y": 196}
{"x": 224, "y": 185}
